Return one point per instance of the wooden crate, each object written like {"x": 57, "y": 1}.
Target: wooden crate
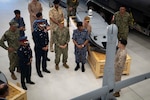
{"x": 16, "y": 93}
{"x": 97, "y": 63}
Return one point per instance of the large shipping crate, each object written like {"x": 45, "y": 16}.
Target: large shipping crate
{"x": 97, "y": 62}
{"x": 16, "y": 93}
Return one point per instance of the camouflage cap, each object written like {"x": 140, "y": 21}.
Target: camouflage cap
{"x": 13, "y": 23}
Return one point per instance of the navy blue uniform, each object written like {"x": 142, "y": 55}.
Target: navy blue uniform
{"x": 25, "y": 55}
{"x": 41, "y": 40}
{"x": 21, "y": 23}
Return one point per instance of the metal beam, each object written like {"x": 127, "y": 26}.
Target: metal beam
{"x": 109, "y": 86}
{"x": 98, "y": 93}
{"x": 122, "y": 84}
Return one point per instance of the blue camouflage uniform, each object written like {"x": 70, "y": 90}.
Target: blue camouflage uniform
{"x": 80, "y": 38}
{"x": 41, "y": 39}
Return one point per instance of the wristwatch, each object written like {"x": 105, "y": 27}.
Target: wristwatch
{"x": 82, "y": 45}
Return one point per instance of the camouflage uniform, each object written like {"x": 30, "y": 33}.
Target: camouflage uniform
{"x": 74, "y": 4}
{"x": 12, "y": 41}
{"x": 57, "y": 15}
{"x": 80, "y": 38}
{"x": 120, "y": 63}
{"x": 123, "y": 23}
{"x": 61, "y": 37}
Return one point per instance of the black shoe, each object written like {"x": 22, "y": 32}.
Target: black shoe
{"x": 30, "y": 82}
{"x": 47, "y": 71}
{"x": 24, "y": 87}
{"x": 40, "y": 75}
{"x": 47, "y": 59}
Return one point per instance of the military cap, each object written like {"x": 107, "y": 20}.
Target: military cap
{"x": 13, "y": 23}
{"x": 56, "y": 1}
{"x": 23, "y": 38}
{"x": 40, "y": 21}
{"x": 123, "y": 41}
{"x": 17, "y": 11}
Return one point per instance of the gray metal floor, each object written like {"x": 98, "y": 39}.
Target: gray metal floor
{"x": 66, "y": 83}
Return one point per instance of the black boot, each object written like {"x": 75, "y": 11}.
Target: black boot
{"x": 83, "y": 69}
{"x": 77, "y": 67}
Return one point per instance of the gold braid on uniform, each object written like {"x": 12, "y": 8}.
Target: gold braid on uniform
{"x": 74, "y": 0}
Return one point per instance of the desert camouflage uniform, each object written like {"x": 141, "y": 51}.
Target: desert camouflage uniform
{"x": 120, "y": 63}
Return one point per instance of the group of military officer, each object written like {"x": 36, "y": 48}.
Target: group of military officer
{"x": 19, "y": 51}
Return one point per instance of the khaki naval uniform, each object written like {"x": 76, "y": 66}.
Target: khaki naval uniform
{"x": 56, "y": 15}
{"x": 122, "y": 22}
{"x": 12, "y": 41}
{"x": 34, "y": 8}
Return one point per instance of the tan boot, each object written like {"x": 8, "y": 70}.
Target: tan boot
{"x": 13, "y": 76}
{"x": 51, "y": 49}
{"x": 116, "y": 94}
{"x": 65, "y": 65}
{"x": 57, "y": 67}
